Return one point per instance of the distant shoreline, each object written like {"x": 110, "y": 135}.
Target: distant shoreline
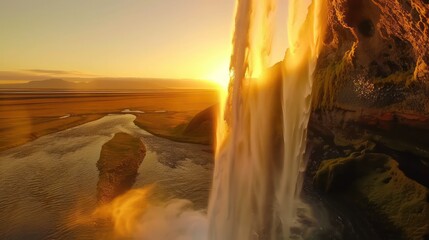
{"x": 101, "y": 91}
{"x": 112, "y": 85}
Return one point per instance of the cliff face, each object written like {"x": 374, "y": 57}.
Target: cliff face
{"x": 373, "y": 70}
{"x": 371, "y": 84}
{"x": 375, "y": 56}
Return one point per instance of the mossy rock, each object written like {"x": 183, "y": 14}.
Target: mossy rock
{"x": 378, "y": 179}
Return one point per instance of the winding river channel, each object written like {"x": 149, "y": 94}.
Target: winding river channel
{"x": 46, "y": 183}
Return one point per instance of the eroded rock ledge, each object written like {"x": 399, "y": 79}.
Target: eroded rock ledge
{"x": 371, "y": 86}
{"x": 120, "y": 159}
{"x": 379, "y": 181}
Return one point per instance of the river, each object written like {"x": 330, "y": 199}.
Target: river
{"x": 47, "y": 183}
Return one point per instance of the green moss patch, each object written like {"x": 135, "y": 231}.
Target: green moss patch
{"x": 378, "y": 179}
{"x": 327, "y": 82}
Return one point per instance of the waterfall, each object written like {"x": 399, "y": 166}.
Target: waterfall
{"x": 262, "y": 128}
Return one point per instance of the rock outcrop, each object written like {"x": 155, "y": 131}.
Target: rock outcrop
{"x": 375, "y": 56}
{"x": 118, "y": 166}
{"x": 202, "y": 126}
{"x": 372, "y": 82}
{"x": 384, "y": 187}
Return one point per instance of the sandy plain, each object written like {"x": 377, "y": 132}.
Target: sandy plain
{"x": 25, "y": 115}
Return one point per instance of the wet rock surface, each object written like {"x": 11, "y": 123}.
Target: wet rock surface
{"x": 375, "y": 55}
{"x": 120, "y": 159}
{"x": 385, "y": 183}
{"x": 383, "y": 187}
{"x": 370, "y": 118}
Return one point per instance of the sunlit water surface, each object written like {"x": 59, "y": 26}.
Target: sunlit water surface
{"x": 48, "y": 184}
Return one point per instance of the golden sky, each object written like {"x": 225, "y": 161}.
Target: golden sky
{"x": 127, "y": 38}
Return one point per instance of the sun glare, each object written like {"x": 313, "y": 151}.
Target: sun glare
{"x": 220, "y": 74}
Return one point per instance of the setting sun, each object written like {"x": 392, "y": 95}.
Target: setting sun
{"x": 220, "y": 74}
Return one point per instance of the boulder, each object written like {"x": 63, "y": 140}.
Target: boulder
{"x": 118, "y": 165}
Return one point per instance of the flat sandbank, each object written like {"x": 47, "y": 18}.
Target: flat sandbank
{"x": 30, "y": 115}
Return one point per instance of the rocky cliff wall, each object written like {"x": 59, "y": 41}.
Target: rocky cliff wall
{"x": 375, "y": 56}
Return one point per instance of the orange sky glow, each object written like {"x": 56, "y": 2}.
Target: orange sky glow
{"x": 108, "y": 38}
